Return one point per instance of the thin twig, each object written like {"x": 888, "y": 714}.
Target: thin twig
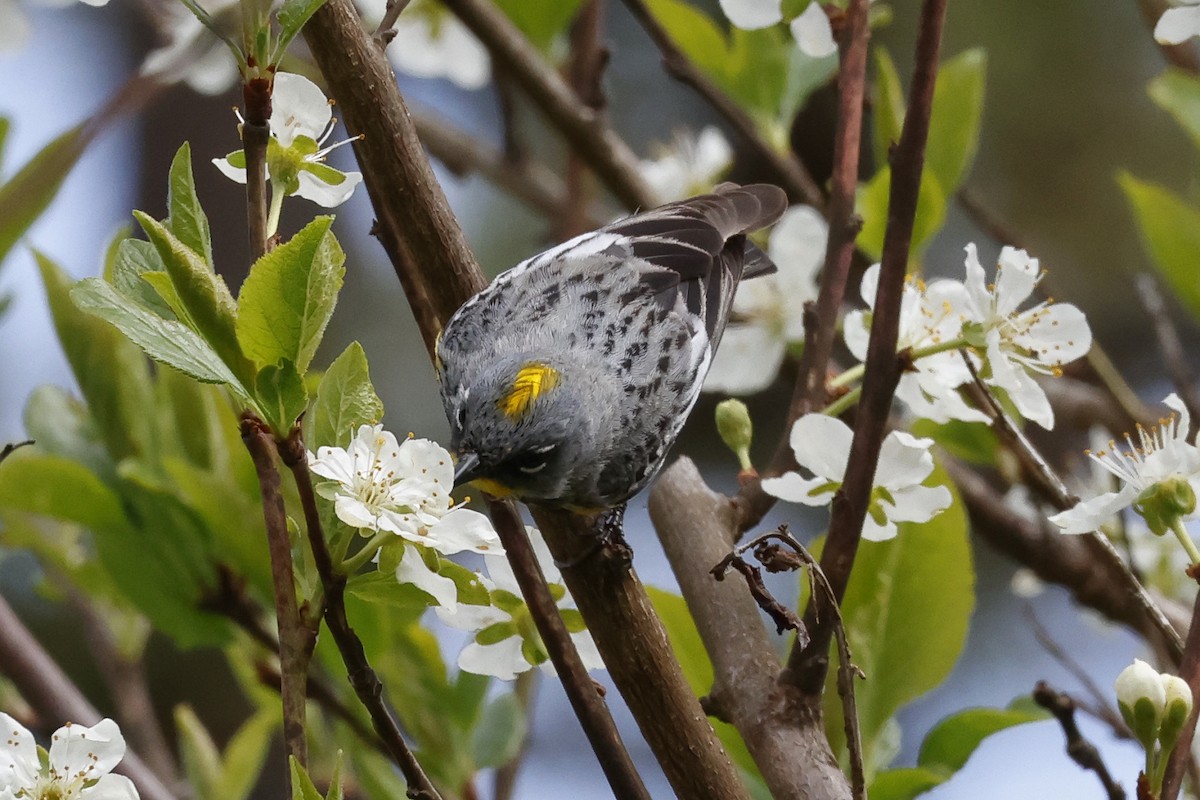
{"x": 362, "y": 677}
{"x": 1169, "y": 343}
{"x": 1081, "y": 751}
{"x": 1099, "y": 707}
{"x": 323, "y": 695}
{"x": 786, "y": 169}
{"x": 49, "y": 691}
{"x": 606, "y": 153}
{"x": 585, "y": 72}
{"x": 807, "y": 666}
{"x": 12, "y": 447}
{"x": 1052, "y": 487}
{"x": 1189, "y": 670}
{"x": 385, "y": 31}
{"x": 256, "y": 133}
{"x": 296, "y": 642}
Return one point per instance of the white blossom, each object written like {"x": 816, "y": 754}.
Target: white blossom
{"x": 192, "y": 53}
{"x": 79, "y": 763}
{"x": 505, "y": 640}
{"x": 768, "y": 311}
{"x": 689, "y": 165}
{"x": 1161, "y": 457}
{"x": 813, "y": 33}
{"x": 301, "y": 122}
{"x": 1177, "y": 25}
{"x": 381, "y": 485}
{"x": 822, "y": 446}
{"x": 1016, "y": 343}
{"x": 930, "y": 315}
{"x": 431, "y": 42}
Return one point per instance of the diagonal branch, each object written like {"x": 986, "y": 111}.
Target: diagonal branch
{"x": 807, "y": 665}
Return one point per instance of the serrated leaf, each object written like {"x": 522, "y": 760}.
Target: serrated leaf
{"x": 951, "y": 742}
{"x": 136, "y": 259}
{"x": 872, "y": 205}
{"x": 1170, "y": 229}
{"x": 57, "y": 487}
{"x": 921, "y": 580}
{"x": 282, "y": 396}
{"x": 185, "y": 216}
{"x": 291, "y": 18}
{"x": 112, "y": 375}
{"x": 25, "y": 195}
{"x": 1178, "y": 93}
{"x": 345, "y": 400}
{"x": 287, "y": 299}
{"x": 208, "y": 306}
{"x": 956, "y": 118}
{"x": 497, "y": 737}
{"x": 888, "y": 106}
{"x": 167, "y": 341}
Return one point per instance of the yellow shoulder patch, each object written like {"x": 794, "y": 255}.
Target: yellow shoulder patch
{"x": 533, "y": 380}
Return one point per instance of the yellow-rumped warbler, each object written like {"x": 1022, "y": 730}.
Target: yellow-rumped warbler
{"x": 568, "y": 378}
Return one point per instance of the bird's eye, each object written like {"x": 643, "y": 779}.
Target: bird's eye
{"x": 533, "y": 460}
{"x": 460, "y": 417}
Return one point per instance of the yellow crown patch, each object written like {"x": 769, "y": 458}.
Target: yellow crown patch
{"x": 532, "y": 381}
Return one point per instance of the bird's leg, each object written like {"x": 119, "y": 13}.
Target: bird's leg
{"x": 608, "y": 535}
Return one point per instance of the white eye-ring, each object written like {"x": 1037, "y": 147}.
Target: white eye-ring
{"x": 534, "y": 469}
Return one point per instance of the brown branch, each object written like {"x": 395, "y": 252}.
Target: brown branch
{"x": 439, "y": 272}
{"x": 807, "y": 666}
{"x": 256, "y": 133}
{"x": 54, "y": 696}
{"x": 607, "y": 154}
{"x": 1081, "y": 751}
{"x": 1182, "y": 375}
{"x": 385, "y": 30}
{"x": 786, "y": 169}
{"x": 1047, "y": 482}
{"x": 783, "y": 728}
{"x": 530, "y": 181}
{"x": 1189, "y": 670}
{"x": 296, "y": 641}
{"x": 589, "y": 705}
{"x": 323, "y": 695}
{"x": 585, "y": 72}
{"x": 362, "y": 677}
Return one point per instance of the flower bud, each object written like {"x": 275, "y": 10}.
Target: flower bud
{"x": 1178, "y": 708}
{"x": 733, "y": 423}
{"x": 1167, "y": 501}
{"x": 1141, "y": 698}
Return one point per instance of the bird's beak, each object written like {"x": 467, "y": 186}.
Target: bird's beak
{"x": 465, "y": 469}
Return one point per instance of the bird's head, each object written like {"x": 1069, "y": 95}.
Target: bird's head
{"x": 517, "y": 430}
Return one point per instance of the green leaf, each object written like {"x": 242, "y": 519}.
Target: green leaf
{"x": 497, "y": 737}
{"x": 57, "y": 487}
{"x": 112, "y": 375}
{"x": 135, "y": 261}
{"x": 1170, "y": 229}
{"x": 904, "y": 783}
{"x": 186, "y": 218}
{"x": 888, "y": 105}
{"x": 383, "y": 589}
{"x": 170, "y": 342}
{"x": 922, "y": 580}
{"x": 956, "y": 118}
{"x": 291, "y": 18}
{"x": 281, "y": 396}
{"x": 62, "y": 426}
{"x": 540, "y": 20}
{"x": 206, "y": 302}
{"x": 5, "y": 127}
{"x": 287, "y": 299}
{"x": 345, "y": 400}
{"x": 302, "y": 785}
{"x": 243, "y": 758}
{"x": 872, "y": 204}
{"x": 969, "y": 441}
{"x": 200, "y": 757}
{"x": 952, "y": 741}
{"x": 1178, "y": 93}
{"x": 25, "y": 195}
{"x": 694, "y": 32}
{"x": 336, "y": 792}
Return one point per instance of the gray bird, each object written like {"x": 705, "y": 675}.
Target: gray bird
{"x": 567, "y": 380}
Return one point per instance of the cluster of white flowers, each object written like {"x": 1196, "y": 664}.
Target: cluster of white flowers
{"x": 379, "y": 485}
{"x": 78, "y": 765}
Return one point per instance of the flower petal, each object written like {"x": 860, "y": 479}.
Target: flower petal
{"x": 471, "y": 617}
{"x": 1016, "y": 277}
{"x": 327, "y": 195}
{"x": 235, "y": 174}
{"x": 1088, "y": 515}
{"x": 463, "y": 529}
{"x": 298, "y": 107}
{"x": 1022, "y": 389}
{"x": 89, "y": 752}
{"x": 113, "y": 787}
{"x": 413, "y": 569}
{"x": 919, "y": 503}
{"x": 1057, "y": 333}
{"x": 19, "y": 765}
{"x": 873, "y": 531}
{"x": 747, "y": 360}
{"x": 813, "y": 32}
{"x": 822, "y": 445}
{"x": 1177, "y": 25}
{"x": 503, "y": 660}
{"x": 751, "y": 15}
{"x": 793, "y": 488}
{"x": 904, "y": 460}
